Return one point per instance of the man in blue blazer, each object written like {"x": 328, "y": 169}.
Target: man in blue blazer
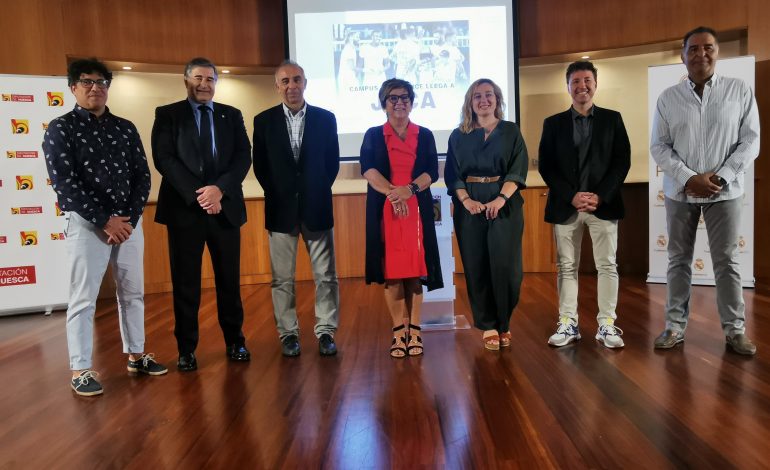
{"x": 296, "y": 160}
{"x": 202, "y": 150}
{"x": 584, "y": 158}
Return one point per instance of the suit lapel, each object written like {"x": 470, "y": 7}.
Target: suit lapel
{"x": 283, "y": 131}
{"x": 221, "y": 128}
{"x": 305, "y": 135}
{"x": 598, "y": 129}
{"x": 190, "y": 131}
{"x": 599, "y": 125}
{"x": 566, "y": 123}
{"x": 566, "y": 130}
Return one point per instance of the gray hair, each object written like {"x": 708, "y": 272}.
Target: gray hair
{"x": 199, "y": 62}
{"x": 286, "y": 63}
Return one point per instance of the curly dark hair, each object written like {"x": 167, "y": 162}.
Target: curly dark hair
{"x": 81, "y": 66}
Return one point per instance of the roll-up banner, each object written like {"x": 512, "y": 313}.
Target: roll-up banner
{"x": 34, "y": 273}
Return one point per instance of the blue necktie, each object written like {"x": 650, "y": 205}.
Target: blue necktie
{"x": 207, "y": 151}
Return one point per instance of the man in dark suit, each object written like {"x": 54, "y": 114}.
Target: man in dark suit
{"x": 202, "y": 151}
{"x": 296, "y": 160}
{"x": 584, "y": 158}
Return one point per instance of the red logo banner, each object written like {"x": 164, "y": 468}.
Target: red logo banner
{"x": 17, "y": 275}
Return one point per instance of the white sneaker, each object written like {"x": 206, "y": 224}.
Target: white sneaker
{"x": 566, "y": 332}
{"x": 609, "y": 335}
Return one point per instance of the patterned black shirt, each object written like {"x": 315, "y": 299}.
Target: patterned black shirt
{"x": 97, "y": 166}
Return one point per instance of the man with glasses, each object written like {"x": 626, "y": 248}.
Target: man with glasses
{"x": 296, "y": 160}
{"x": 99, "y": 171}
{"x": 202, "y": 151}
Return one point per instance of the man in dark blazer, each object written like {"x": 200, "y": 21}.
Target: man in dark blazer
{"x": 584, "y": 158}
{"x": 202, "y": 151}
{"x": 296, "y": 160}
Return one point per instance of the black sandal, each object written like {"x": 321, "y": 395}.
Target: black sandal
{"x": 394, "y": 347}
{"x": 414, "y": 349}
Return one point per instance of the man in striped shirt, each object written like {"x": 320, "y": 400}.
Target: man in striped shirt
{"x": 705, "y": 134}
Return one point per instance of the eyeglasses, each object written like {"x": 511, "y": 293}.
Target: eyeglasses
{"x": 394, "y": 99}
{"x": 88, "y": 83}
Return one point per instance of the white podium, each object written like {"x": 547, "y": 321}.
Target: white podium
{"x": 438, "y": 305}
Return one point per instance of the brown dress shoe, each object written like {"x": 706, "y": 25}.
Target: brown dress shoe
{"x": 668, "y": 339}
{"x": 741, "y": 344}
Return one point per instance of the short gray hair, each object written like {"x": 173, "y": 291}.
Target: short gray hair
{"x": 199, "y": 62}
{"x": 286, "y": 63}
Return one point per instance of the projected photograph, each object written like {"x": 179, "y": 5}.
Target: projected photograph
{"x": 347, "y": 54}
{"x": 422, "y": 52}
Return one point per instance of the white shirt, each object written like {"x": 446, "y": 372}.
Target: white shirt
{"x": 295, "y": 124}
{"x": 718, "y": 132}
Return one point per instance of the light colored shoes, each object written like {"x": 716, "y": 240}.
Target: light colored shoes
{"x": 566, "y": 332}
{"x": 505, "y": 339}
{"x": 609, "y": 335}
{"x": 491, "y": 340}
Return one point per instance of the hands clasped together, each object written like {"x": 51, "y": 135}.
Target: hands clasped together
{"x": 703, "y": 185}
{"x": 585, "y": 201}
{"x": 117, "y": 229}
{"x": 209, "y": 198}
{"x": 490, "y": 209}
{"x": 398, "y": 195}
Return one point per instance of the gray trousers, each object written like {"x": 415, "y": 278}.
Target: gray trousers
{"x": 723, "y": 220}
{"x": 89, "y": 254}
{"x": 283, "y": 262}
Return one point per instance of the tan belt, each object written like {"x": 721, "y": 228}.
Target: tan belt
{"x": 482, "y": 179}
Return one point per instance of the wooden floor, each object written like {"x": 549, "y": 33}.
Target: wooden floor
{"x": 459, "y": 406}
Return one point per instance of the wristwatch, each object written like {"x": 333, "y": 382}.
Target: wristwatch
{"x": 716, "y": 179}
{"x": 414, "y": 188}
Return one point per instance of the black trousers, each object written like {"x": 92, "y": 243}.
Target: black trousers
{"x": 185, "y": 246}
{"x": 491, "y": 254}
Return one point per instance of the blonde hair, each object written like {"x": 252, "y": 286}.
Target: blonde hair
{"x": 469, "y": 118}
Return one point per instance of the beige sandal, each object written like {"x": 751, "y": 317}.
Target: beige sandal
{"x": 491, "y": 341}
{"x": 505, "y": 339}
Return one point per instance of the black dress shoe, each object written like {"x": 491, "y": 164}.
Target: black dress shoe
{"x": 238, "y": 352}
{"x": 290, "y": 346}
{"x": 326, "y": 345}
{"x": 187, "y": 362}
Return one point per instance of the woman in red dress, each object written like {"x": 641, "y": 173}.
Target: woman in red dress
{"x": 399, "y": 161}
